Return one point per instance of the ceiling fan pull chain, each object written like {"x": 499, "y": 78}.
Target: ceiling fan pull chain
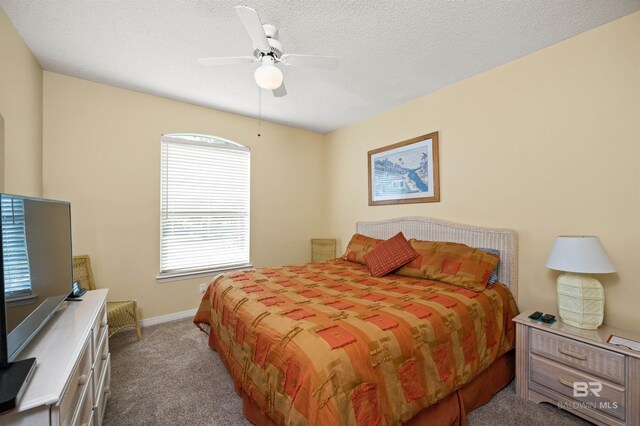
{"x": 259, "y": 110}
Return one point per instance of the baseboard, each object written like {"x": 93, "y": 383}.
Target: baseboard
{"x": 167, "y": 318}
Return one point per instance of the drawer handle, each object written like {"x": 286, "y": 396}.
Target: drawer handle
{"x": 82, "y": 380}
{"x": 565, "y": 382}
{"x": 572, "y": 354}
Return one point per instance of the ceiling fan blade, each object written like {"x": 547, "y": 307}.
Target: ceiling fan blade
{"x": 252, "y": 24}
{"x": 232, "y": 60}
{"x": 280, "y": 91}
{"x": 325, "y": 62}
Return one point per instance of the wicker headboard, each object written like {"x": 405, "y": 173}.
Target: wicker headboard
{"x": 425, "y": 228}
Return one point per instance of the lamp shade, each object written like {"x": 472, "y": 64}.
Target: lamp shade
{"x": 580, "y": 254}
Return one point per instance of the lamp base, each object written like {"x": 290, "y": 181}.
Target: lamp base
{"x": 580, "y": 301}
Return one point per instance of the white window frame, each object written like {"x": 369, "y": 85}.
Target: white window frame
{"x": 212, "y": 142}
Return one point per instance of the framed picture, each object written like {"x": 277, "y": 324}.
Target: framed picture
{"x": 405, "y": 172}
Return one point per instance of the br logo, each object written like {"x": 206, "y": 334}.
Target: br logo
{"x": 582, "y": 389}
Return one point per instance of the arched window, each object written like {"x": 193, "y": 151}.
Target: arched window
{"x": 204, "y": 205}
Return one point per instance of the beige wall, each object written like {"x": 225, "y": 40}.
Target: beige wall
{"x": 102, "y": 153}
{"x": 548, "y": 144}
{"x": 21, "y": 109}
{"x": 1, "y": 153}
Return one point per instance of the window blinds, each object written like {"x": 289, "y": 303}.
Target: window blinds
{"x": 204, "y": 204}
{"x": 17, "y": 276}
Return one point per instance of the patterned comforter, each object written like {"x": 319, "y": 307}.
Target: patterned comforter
{"x": 327, "y": 344}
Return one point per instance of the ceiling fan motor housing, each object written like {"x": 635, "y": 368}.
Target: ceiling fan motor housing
{"x": 276, "y": 46}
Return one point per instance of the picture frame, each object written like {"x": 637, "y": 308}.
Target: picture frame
{"x": 405, "y": 172}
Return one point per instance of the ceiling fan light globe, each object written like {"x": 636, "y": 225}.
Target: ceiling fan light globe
{"x": 268, "y": 77}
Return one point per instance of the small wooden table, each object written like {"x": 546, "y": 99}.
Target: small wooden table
{"x": 323, "y": 249}
{"x": 578, "y": 371}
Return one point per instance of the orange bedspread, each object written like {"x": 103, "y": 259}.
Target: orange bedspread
{"x": 327, "y": 344}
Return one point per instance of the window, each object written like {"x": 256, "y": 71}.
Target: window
{"x": 204, "y": 205}
{"x": 17, "y": 275}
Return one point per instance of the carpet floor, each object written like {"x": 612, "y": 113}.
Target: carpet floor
{"x": 171, "y": 377}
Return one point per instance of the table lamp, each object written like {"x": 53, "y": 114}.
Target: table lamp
{"x": 580, "y": 296}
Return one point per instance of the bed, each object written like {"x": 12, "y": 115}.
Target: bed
{"x": 327, "y": 343}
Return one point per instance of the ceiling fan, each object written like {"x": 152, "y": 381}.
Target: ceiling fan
{"x": 268, "y": 52}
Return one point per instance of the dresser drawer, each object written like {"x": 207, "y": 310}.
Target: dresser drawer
{"x": 85, "y": 409}
{"x": 79, "y": 383}
{"x": 590, "y": 359}
{"x": 103, "y": 393}
{"x": 99, "y": 363}
{"x": 611, "y": 400}
{"x": 100, "y": 329}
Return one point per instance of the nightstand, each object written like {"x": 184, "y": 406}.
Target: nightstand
{"x": 578, "y": 371}
{"x": 323, "y": 249}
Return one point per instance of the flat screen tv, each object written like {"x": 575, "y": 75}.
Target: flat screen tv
{"x": 36, "y": 267}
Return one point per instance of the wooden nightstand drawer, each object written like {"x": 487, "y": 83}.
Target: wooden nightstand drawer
{"x": 561, "y": 379}
{"x": 590, "y": 359}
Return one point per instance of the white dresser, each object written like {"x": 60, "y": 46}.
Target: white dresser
{"x": 71, "y": 383}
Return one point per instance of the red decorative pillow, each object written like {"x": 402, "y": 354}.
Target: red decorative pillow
{"x": 389, "y": 255}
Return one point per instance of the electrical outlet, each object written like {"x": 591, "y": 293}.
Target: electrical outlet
{"x": 203, "y": 288}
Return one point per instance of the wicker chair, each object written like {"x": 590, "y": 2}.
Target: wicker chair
{"x": 121, "y": 314}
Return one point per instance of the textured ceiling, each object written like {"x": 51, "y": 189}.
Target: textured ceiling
{"x": 390, "y": 51}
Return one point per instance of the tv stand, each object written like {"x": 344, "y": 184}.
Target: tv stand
{"x": 14, "y": 379}
{"x": 71, "y": 384}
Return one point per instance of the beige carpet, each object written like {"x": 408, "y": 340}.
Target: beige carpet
{"x": 171, "y": 377}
